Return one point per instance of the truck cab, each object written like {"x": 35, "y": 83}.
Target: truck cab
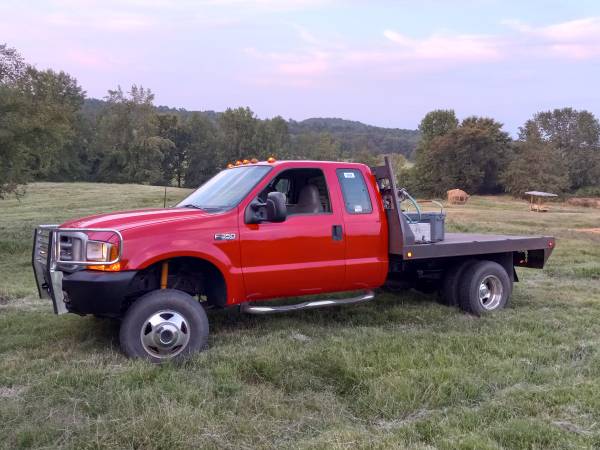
{"x": 262, "y": 231}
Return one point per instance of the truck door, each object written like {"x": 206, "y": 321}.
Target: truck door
{"x": 364, "y": 229}
{"x": 303, "y": 255}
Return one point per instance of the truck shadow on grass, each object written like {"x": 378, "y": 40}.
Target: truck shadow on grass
{"x": 403, "y": 309}
{"x": 409, "y": 309}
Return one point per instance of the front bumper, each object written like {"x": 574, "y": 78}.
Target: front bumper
{"x": 79, "y": 291}
{"x": 100, "y": 293}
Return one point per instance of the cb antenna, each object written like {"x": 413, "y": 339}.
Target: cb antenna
{"x": 165, "y": 198}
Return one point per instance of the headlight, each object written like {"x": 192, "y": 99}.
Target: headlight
{"x": 99, "y": 251}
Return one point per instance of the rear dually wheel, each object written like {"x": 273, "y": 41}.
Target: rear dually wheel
{"x": 449, "y": 294}
{"x": 484, "y": 287}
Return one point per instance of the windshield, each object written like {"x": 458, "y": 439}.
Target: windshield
{"x": 226, "y": 189}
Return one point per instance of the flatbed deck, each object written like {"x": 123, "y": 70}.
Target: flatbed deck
{"x": 527, "y": 251}
{"x": 462, "y": 244}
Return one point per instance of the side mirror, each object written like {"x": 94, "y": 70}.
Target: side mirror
{"x": 276, "y": 207}
{"x": 274, "y": 210}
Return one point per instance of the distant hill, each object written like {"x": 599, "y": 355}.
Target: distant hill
{"x": 356, "y": 136}
{"x": 212, "y": 115}
{"x": 353, "y": 136}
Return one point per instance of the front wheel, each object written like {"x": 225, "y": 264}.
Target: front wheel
{"x": 485, "y": 287}
{"x": 164, "y": 325}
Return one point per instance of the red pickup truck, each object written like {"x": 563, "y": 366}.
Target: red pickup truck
{"x": 261, "y": 231}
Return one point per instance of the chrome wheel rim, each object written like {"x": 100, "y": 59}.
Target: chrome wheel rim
{"x": 490, "y": 292}
{"x": 165, "y": 334}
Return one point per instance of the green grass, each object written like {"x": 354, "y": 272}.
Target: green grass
{"x": 400, "y": 372}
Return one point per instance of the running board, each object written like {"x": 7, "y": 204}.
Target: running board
{"x": 255, "y": 309}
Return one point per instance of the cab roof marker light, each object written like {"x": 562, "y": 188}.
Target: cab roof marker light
{"x": 271, "y": 159}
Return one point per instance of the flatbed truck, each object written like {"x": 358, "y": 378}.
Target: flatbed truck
{"x": 259, "y": 231}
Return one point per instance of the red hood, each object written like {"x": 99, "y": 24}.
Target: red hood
{"x": 123, "y": 220}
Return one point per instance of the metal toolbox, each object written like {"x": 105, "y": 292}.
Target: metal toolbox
{"x": 427, "y": 226}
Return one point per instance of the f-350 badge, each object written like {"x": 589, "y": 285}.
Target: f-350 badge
{"x": 224, "y": 236}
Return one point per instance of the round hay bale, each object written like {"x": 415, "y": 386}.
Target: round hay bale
{"x": 457, "y": 197}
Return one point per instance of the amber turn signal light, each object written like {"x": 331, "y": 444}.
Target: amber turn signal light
{"x": 107, "y": 268}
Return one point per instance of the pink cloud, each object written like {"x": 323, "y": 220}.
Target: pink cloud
{"x": 309, "y": 68}
{"x": 320, "y": 59}
{"x": 107, "y": 21}
{"x": 295, "y": 69}
{"x": 445, "y": 46}
{"x": 92, "y": 59}
{"x": 574, "y": 39}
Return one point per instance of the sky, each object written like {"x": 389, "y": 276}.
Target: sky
{"x": 385, "y": 63}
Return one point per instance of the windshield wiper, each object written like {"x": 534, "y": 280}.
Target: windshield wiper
{"x": 205, "y": 208}
{"x": 214, "y": 208}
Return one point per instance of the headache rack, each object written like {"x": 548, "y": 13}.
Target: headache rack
{"x": 400, "y": 233}
{"x": 56, "y": 250}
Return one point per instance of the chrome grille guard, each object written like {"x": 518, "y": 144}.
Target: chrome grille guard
{"x": 47, "y": 263}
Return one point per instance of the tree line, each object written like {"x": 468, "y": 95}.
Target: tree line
{"x": 49, "y": 130}
{"x": 556, "y": 151}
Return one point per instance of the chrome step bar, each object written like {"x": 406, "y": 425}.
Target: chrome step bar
{"x": 256, "y": 309}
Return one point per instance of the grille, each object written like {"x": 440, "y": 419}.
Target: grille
{"x": 71, "y": 248}
{"x": 41, "y": 249}
{"x": 42, "y": 243}
{"x": 66, "y": 254}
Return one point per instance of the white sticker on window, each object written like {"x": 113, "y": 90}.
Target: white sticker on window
{"x": 348, "y": 174}
{"x": 358, "y": 208}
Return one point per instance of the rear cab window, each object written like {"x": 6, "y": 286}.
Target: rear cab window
{"x": 354, "y": 189}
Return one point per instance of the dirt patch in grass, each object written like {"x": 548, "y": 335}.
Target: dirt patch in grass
{"x": 24, "y": 304}
{"x": 589, "y": 230}
{"x": 11, "y": 392}
{"x": 571, "y": 427}
{"x": 585, "y": 202}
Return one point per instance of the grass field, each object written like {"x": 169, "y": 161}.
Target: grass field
{"x": 400, "y": 372}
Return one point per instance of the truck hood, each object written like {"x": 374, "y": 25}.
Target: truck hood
{"x": 123, "y": 220}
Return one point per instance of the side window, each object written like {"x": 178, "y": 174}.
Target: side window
{"x": 354, "y": 189}
{"x": 305, "y": 190}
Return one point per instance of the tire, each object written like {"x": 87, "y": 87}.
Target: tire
{"x": 484, "y": 288}
{"x": 451, "y": 284}
{"x": 164, "y": 325}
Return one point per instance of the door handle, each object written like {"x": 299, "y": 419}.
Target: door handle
{"x": 336, "y": 232}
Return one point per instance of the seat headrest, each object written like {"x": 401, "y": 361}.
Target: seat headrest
{"x": 309, "y": 200}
